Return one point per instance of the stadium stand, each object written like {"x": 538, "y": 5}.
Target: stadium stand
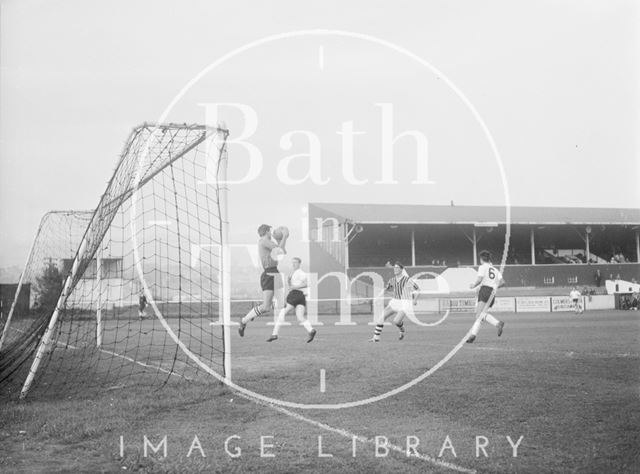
{"x": 547, "y": 248}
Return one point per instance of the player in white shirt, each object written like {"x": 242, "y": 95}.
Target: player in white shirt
{"x": 295, "y": 299}
{"x": 489, "y": 279}
{"x": 575, "y": 298}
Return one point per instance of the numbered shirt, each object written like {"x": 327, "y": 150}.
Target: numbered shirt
{"x": 490, "y": 276}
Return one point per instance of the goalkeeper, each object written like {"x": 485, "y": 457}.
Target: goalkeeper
{"x": 268, "y": 251}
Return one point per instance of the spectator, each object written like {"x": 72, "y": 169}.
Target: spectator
{"x": 575, "y": 299}
{"x": 598, "y": 278}
{"x": 618, "y": 258}
{"x": 629, "y": 302}
{"x": 635, "y": 301}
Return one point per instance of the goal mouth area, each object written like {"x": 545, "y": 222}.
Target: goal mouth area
{"x": 163, "y": 204}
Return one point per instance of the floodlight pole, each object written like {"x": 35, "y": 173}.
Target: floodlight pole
{"x": 638, "y": 246}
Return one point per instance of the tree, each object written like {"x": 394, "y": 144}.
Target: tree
{"x": 48, "y": 288}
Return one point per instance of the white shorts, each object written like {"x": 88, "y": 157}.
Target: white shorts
{"x": 401, "y": 305}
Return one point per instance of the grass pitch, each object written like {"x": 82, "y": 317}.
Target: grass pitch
{"x": 568, "y": 385}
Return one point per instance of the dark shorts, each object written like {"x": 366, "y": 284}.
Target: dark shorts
{"x": 575, "y": 300}
{"x": 485, "y": 294}
{"x": 296, "y": 297}
{"x": 266, "y": 280}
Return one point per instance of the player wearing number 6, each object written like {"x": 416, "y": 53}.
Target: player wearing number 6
{"x": 489, "y": 280}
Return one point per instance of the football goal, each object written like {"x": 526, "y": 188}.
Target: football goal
{"x": 132, "y": 302}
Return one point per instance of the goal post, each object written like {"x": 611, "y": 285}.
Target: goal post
{"x": 225, "y": 262}
{"x": 46, "y": 338}
{"x": 160, "y": 230}
{"x": 99, "y": 297}
{"x": 57, "y": 237}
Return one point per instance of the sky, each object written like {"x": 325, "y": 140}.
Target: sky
{"x": 551, "y": 86}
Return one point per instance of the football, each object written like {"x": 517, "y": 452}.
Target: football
{"x": 280, "y": 232}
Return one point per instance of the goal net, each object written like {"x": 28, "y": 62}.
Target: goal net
{"x": 57, "y": 238}
{"x": 134, "y": 302}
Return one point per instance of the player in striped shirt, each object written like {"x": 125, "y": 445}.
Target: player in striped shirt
{"x": 405, "y": 295}
{"x": 489, "y": 279}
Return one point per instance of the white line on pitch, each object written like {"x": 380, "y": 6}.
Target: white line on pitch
{"x": 566, "y": 353}
{"x": 361, "y": 439}
{"x": 321, "y": 57}
{"x": 323, "y": 386}
{"x": 142, "y": 363}
{"x": 64, "y": 344}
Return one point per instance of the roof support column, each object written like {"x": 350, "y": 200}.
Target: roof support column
{"x": 638, "y": 246}
{"x": 413, "y": 247}
{"x": 345, "y": 242}
{"x": 586, "y": 240}
{"x": 533, "y": 247}
{"x": 475, "y": 247}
